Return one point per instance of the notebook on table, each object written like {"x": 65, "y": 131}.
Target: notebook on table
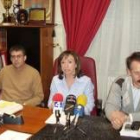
{"x": 9, "y": 107}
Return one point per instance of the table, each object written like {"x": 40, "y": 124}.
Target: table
{"x": 96, "y": 128}
{"x": 34, "y": 120}
{"x": 93, "y": 128}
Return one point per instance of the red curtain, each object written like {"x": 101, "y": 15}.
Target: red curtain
{"x": 82, "y": 19}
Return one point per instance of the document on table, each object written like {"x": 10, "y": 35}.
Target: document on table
{"x": 14, "y": 135}
{"x": 129, "y": 132}
{"x": 9, "y": 107}
{"x": 52, "y": 119}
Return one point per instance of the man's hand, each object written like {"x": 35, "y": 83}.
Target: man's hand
{"x": 117, "y": 119}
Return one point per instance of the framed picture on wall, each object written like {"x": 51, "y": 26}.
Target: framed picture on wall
{"x": 47, "y": 4}
{"x": 37, "y": 16}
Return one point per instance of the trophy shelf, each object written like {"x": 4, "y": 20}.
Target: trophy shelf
{"x": 2, "y": 25}
{"x": 38, "y": 42}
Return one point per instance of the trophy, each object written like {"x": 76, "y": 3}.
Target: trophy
{"x": 7, "y": 16}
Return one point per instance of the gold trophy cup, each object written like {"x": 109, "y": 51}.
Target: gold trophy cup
{"x": 7, "y": 17}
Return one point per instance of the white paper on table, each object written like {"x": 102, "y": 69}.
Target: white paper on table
{"x": 9, "y": 107}
{"x": 52, "y": 119}
{"x": 14, "y": 135}
{"x": 129, "y": 132}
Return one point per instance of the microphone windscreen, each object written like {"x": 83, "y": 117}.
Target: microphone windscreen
{"x": 58, "y": 97}
{"x": 70, "y": 104}
{"x": 71, "y": 99}
{"x": 82, "y": 100}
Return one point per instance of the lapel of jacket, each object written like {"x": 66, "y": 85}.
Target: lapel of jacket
{"x": 127, "y": 95}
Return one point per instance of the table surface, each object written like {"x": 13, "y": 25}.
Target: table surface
{"x": 34, "y": 119}
{"x": 88, "y": 128}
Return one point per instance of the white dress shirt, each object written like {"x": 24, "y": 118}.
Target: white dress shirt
{"x": 82, "y": 85}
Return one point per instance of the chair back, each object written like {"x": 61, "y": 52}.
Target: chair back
{"x": 89, "y": 69}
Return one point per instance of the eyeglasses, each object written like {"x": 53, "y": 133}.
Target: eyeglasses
{"x": 16, "y": 56}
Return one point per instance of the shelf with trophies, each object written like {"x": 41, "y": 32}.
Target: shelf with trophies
{"x": 30, "y": 29}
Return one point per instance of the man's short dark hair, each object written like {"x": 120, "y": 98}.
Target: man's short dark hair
{"x": 133, "y": 57}
{"x": 17, "y": 48}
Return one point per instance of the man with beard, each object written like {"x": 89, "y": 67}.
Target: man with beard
{"x": 20, "y": 82}
{"x": 123, "y": 102}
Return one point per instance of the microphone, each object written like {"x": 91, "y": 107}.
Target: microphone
{"x": 69, "y": 108}
{"x": 58, "y": 105}
{"x": 82, "y": 100}
{"x": 57, "y": 108}
{"x": 78, "y": 112}
{"x": 79, "y": 109}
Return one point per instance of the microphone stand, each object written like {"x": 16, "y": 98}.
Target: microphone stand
{"x": 67, "y": 122}
{"x": 75, "y": 126}
{"x": 67, "y": 132}
{"x": 57, "y": 115}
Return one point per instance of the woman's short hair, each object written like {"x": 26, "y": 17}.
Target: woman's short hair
{"x": 133, "y": 57}
{"x": 67, "y": 53}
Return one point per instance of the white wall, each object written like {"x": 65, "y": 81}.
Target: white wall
{"x": 59, "y": 40}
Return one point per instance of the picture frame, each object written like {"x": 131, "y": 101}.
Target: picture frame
{"x": 37, "y": 16}
{"x": 47, "y": 4}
